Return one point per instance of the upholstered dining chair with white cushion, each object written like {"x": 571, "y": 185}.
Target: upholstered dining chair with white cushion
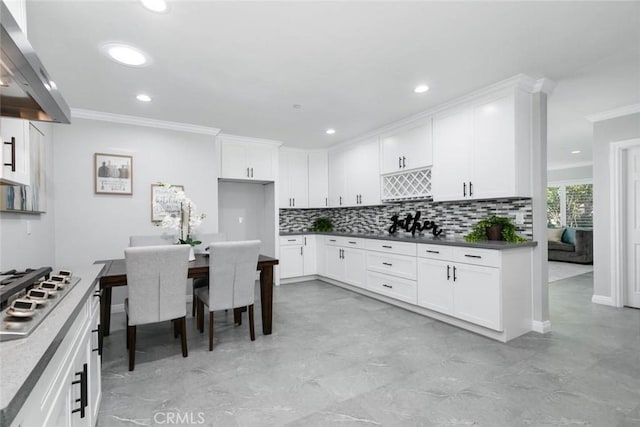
{"x": 206, "y": 239}
{"x": 152, "y": 240}
{"x": 232, "y": 277}
{"x": 156, "y": 282}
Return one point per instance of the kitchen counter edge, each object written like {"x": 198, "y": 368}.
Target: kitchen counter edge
{"x": 41, "y": 345}
{"x": 497, "y": 244}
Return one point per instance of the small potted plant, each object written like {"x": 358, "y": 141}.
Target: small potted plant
{"x": 322, "y": 224}
{"x": 494, "y": 228}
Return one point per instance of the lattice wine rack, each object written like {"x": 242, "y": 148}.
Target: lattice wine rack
{"x": 407, "y": 185}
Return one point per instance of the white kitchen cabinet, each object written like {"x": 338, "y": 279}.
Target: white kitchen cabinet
{"x": 481, "y": 150}
{"x": 247, "y": 160}
{"x": 294, "y": 181}
{"x": 354, "y": 175}
{"x": 337, "y": 179}
{"x": 15, "y": 159}
{"x": 310, "y": 254}
{"x": 354, "y": 260}
{"x": 298, "y": 256}
{"x": 392, "y": 286}
{"x": 435, "y": 285}
{"x": 407, "y": 148}
{"x": 335, "y": 268}
{"x": 345, "y": 260}
{"x": 318, "y": 162}
{"x": 476, "y": 295}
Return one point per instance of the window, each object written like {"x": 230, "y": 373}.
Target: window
{"x": 570, "y": 205}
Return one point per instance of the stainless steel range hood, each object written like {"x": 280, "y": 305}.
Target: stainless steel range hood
{"x": 26, "y": 89}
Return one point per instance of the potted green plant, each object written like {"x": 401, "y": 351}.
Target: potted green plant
{"x": 322, "y": 224}
{"x": 494, "y": 228}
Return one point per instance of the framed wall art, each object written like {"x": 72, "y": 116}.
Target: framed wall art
{"x": 164, "y": 202}
{"x": 113, "y": 174}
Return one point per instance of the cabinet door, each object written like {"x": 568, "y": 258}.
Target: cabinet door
{"x": 452, "y": 156}
{"x": 408, "y": 148}
{"x": 299, "y": 179}
{"x": 260, "y": 162}
{"x": 234, "y": 162}
{"x": 283, "y": 180}
{"x": 95, "y": 362}
{"x": 477, "y": 295}
{"x": 435, "y": 285}
{"x": 15, "y": 154}
{"x": 334, "y": 263}
{"x": 494, "y": 149}
{"x": 291, "y": 261}
{"x": 337, "y": 179}
{"x": 363, "y": 174}
{"x": 355, "y": 266}
{"x": 309, "y": 256}
{"x": 318, "y": 179}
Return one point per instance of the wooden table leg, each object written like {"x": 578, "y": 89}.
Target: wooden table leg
{"x": 266, "y": 298}
{"x": 105, "y": 311}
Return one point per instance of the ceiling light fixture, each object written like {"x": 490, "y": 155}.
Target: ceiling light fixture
{"x": 331, "y": 131}
{"x": 143, "y": 97}
{"x": 421, "y": 89}
{"x": 575, "y": 152}
{"x": 125, "y": 54}
{"x": 155, "y": 5}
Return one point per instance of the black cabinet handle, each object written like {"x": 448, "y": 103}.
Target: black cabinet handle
{"x": 340, "y": 200}
{"x": 247, "y": 172}
{"x": 399, "y": 162}
{"x": 332, "y": 240}
{"x": 464, "y": 189}
{"x": 387, "y": 286}
{"x": 404, "y": 163}
{"x": 305, "y": 240}
{"x": 251, "y": 172}
{"x": 84, "y": 401}
{"x": 454, "y": 273}
{"x": 99, "y": 349}
{"x": 291, "y": 240}
{"x": 470, "y": 188}
{"x": 294, "y": 199}
{"x": 12, "y": 143}
{"x": 386, "y": 246}
{"x": 432, "y": 252}
{"x": 472, "y": 256}
{"x": 354, "y": 243}
{"x": 326, "y": 201}
{"x": 448, "y": 272}
{"x": 301, "y": 250}
{"x": 388, "y": 264}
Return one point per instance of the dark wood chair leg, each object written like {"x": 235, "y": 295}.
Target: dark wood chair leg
{"x": 176, "y": 328}
{"x": 237, "y": 316}
{"x": 131, "y": 332}
{"x": 127, "y": 331}
{"x": 183, "y": 332}
{"x": 210, "y": 331}
{"x": 251, "y": 329}
{"x": 194, "y": 303}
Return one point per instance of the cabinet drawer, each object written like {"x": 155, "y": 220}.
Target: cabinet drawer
{"x": 352, "y": 242}
{"x": 388, "y": 246}
{"x": 394, "y": 287}
{"x": 291, "y": 240}
{"x": 396, "y": 265}
{"x": 435, "y": 251}
{"x": 486, "y": 257}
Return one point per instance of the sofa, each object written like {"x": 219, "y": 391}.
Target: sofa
{"x": 571, "y": 244}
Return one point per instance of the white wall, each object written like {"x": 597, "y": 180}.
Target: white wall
{"x": 578, "y": 173}
{"x": 604, "y": 133}
{"x": 18, "y": 249}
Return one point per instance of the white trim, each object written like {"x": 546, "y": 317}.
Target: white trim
{"x": 565, "y": 182}
{"x": 616, "y": 240}
{"x": 601, "y": 299}
{"x": 80, "y": 113}
{"x": 299, "y": 279}
{"x": 571, "y": 166}
{"x": 612, "y": 114}
{"x": 541, "y": 327}
{"x": 544, "y": 85}
{"x": 251, "y": 139}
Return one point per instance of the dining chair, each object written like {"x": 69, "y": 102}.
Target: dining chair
{"x": 206, "y": 239}
{"x": 232, "y": 277}
{"x": 152, "y": 240}
{"x": 156, "y": 282}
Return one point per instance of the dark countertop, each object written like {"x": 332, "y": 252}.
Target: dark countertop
{"x": 406, "y": 237}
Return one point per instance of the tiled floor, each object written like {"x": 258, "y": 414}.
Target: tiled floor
{"x": 339, "y": 358}
{"x": 564, "y": 270}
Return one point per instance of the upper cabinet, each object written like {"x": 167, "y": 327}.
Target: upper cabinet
{"x": 294, "y": 179}
{"x": 407, "y": 148}
{"x": 318, "y": 162}
{"x": 481, "y": 150}
{"x": 354, "y": 175}
{"x": 244, "y": 159}
{"x": 14, "y": 156}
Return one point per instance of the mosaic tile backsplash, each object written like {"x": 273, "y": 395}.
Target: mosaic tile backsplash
{"x": 455, "y": 218}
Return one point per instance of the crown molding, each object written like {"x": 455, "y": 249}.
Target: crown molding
{"x": 80, "y": 113}
{"x": 571, "y": 166}
{"x": 240, "y": 138}
{"x": 612, "y": 114}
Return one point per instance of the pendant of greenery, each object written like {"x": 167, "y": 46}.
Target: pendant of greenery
{"x": 479, "y": 231}
{"x": 322, "y": 224}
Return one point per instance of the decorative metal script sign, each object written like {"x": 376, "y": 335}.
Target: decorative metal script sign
{"x": 412, "y": 224}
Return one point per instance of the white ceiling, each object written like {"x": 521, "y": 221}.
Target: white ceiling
{"x": 240, "y": 66}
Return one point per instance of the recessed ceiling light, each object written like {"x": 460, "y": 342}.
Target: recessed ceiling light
{"x": 331, "y": 131}
{"x": 125, "y": 54}
{"x": 575, "y": 152}
{"x": 297, "y": 106}
{"x": 155, "y": 5}
{"x": 143, "y": 97}
{"x": 421, "y": 89}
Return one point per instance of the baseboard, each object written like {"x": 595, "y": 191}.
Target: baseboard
{"x": 119, "y": 308}
{"x": 601, "y": 299}
{"x": 541, "y": 327}
{"x": 299, "y": 279}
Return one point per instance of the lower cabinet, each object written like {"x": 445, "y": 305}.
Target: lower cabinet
{"x": 345, "y": 261}
{"x": 297, "y": 256}
{"x": 68, "y": 392}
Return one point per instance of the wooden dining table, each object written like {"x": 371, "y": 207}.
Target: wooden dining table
{"x": 114, "y": 274}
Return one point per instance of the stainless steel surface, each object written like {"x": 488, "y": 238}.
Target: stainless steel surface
{"x": 13, "y": 283}
{"x": 13, "y": 328}
{"x": 26, "y": 89}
